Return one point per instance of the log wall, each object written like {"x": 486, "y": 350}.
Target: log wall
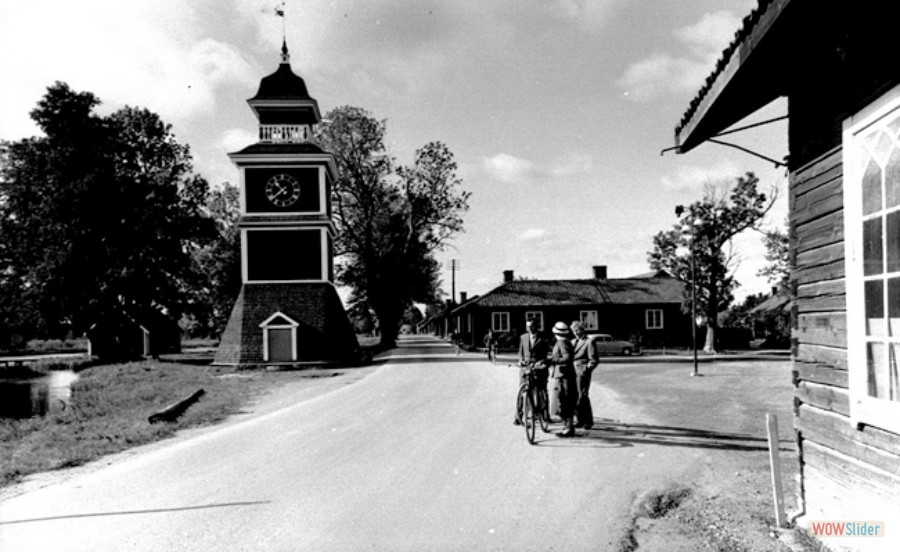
{"x": 846, "y": 472}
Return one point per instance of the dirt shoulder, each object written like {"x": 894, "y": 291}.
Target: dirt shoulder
{"x": 728, "y": 504}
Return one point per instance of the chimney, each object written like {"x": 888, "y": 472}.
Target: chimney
{"x": 508, "y": 276}
{"x": 599, "y": 272}
{"x": 463, "y": 295}
{"x": 449, "y": 303}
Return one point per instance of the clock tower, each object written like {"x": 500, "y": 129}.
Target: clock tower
{"x": 288, "y": 311}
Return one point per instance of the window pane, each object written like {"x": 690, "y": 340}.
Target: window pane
{"x": 893, "y": 376}
{"x": 884, "y": 147}
{"x": 871, "y": 186}
{"x": 874, "y": 291}
{"x": 892, "y": 179}
{"x": 877, "y": 370}
{"x": 893, "y": 241}
{"x": 894, "y": 306}
{"x": 872, "y": 253}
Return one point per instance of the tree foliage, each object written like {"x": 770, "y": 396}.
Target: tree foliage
{"x": 390, "y": 219}
{"x": 778, "y": 269}
{"x": 220, "y": 262}
{"x": 99, "y": 213}
{"x": 707, "y": 228}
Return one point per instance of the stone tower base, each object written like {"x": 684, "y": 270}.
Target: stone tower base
{"x": 324, "y": 334}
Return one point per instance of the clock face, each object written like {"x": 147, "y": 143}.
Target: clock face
{"x": 283, "y": 190}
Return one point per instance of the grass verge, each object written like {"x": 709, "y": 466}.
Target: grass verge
{"x": 108, "y": 413}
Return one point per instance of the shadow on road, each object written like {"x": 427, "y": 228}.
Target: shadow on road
{"x": 136, "y": 512}
{"x": 611, "y": 431}
{"x": 414, "y": 359}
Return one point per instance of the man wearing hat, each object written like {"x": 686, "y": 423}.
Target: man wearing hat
{"x": 584, "y": 358}
{"x": 564, "y": 373}
{"x": 534, "y": 350}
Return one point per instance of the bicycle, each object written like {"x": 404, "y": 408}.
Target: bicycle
{"x": 532, "y": 405}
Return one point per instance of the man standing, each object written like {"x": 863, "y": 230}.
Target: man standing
{"x": 564, "y": 376}
{"x": 534, "y": 349}
{"x": 585, "y": 359}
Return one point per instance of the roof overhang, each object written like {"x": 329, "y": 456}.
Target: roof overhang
{"x": 326, "y": 159}
{"x": 752, "y": 72}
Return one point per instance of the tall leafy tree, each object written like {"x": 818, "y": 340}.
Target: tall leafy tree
{"x": 220, "y": 262}
{"x": 98, "y": 214}
{"x": 778, "y": 268}
{"x": 390, "y": 219}
{"x": 705, "y": 231}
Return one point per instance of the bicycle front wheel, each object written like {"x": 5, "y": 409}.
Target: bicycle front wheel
{"x": 543, "y": 409}
{"x": 529, "y": 416}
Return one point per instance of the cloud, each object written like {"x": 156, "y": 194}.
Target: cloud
{"x": 693, "y": 177}
{"x": 145, "y": 54}
{"x": 710, "y": 35}
{"x": 235, "y": 139}
{"x": 532, "y": 235}
{"x": 573, "y": 164}
{"x": 590, "y": 14}
{"x": 660, "y": 73}
{"x": 508, "y": 168}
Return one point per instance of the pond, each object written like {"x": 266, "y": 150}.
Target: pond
{"x": 25, "y": 398}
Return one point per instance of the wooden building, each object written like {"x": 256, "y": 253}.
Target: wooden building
{"x": 645, "y": 310}
{"x": 833, "y": 61}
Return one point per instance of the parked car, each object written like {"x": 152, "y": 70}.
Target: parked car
{"x": 605, "y": 344}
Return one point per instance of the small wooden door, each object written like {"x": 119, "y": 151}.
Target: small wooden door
{"x": 280, "y": 345}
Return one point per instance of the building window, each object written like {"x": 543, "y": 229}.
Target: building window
{"x": 654, "y": 319}
{"x": 500, "y": 321}
{"x": 871, "y": 158}
{"x": 588, "y": 319}
{"x": 538, "y": 318}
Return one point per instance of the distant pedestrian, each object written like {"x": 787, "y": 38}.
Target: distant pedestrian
{"x": 564, "y": 376}
{"x": 490, "y": 344}
{"x": 584, "y": 357}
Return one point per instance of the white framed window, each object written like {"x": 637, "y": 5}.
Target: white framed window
{"x": 654, "y": 319}
{"x": 537, "y": 316}
{"x": 588, "y": 319}
{"x": 500, "y": 321}
{"x": 871, "y": 159}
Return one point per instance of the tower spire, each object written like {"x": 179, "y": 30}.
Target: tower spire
{"x": 285, "y": 56}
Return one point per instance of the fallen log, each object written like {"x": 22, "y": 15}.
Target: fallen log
{"x": 174, "y": 410}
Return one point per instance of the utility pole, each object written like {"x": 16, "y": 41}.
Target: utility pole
{"x": 454, "y": 266}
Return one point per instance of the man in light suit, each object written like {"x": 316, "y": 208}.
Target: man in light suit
{"x": 534, "y": 349}
{"x": 585, "y": 360}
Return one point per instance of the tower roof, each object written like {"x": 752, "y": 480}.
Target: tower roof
{"x": 283, "y": 84}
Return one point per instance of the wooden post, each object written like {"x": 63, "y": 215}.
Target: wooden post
{"x": 174, "y": 410}
{"x": 775, "y": 464}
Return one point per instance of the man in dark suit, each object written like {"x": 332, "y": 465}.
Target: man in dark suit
{"x": 584, "y": 356}
{"x": 534, "y": 350}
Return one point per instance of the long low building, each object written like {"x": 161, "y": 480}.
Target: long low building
{"x": 644, "y": 309}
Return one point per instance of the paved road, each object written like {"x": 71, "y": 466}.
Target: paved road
{"x": 420, "y": 455}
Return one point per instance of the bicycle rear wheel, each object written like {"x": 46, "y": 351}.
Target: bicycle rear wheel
{"x": 529, "y": 416}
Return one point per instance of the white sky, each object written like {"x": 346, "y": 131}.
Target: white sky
{"x": 556, "y": 110}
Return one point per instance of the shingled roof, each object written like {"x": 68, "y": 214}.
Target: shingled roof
{"x": 729, "y": 84}
{"x": 542, "y": 293}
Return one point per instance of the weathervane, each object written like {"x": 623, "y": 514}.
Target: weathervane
{"x": 279, "y": 11}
